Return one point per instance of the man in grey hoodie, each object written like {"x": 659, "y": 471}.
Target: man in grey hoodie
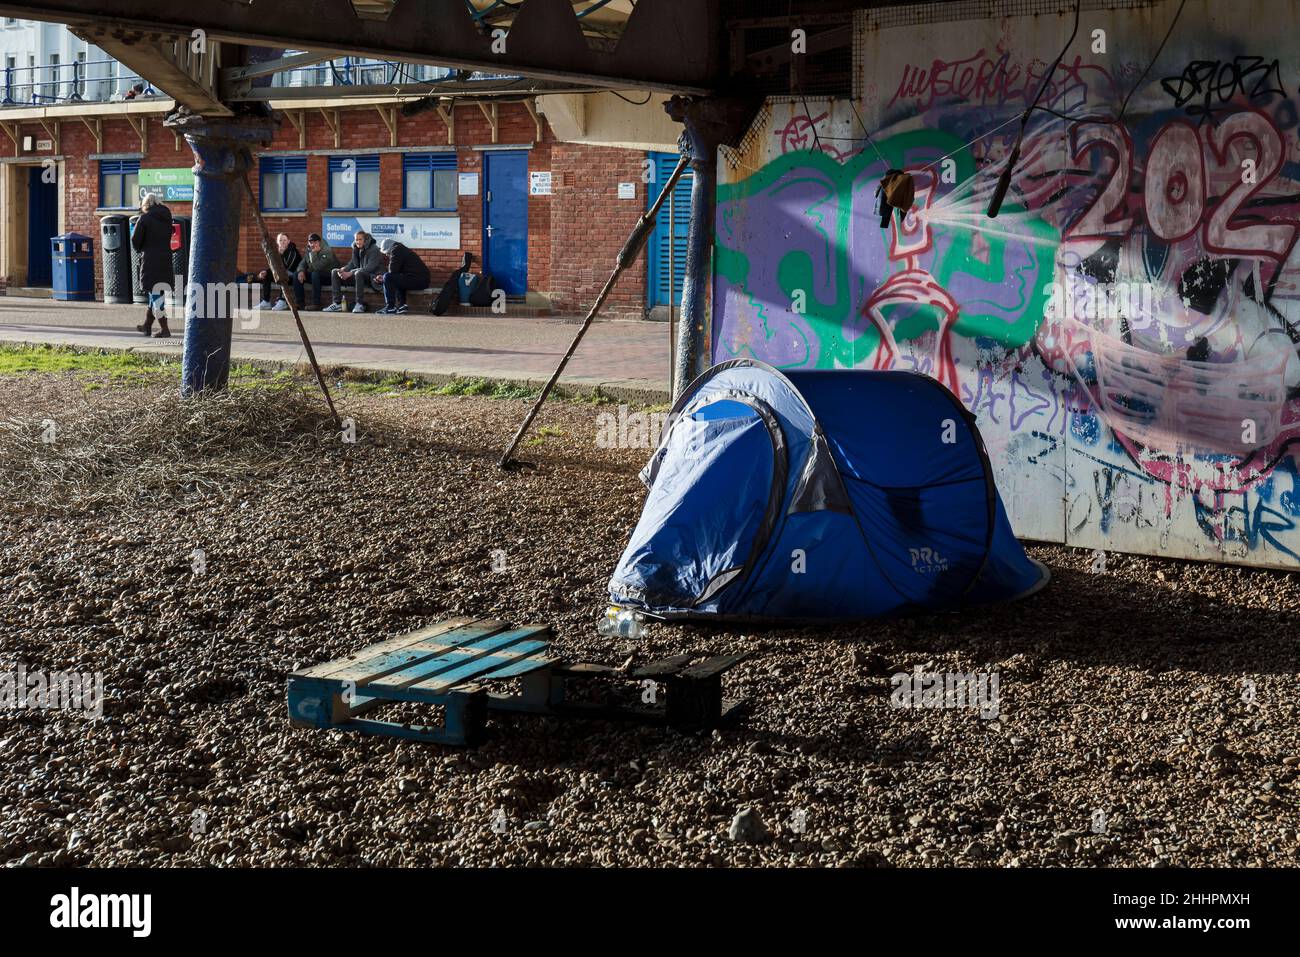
{"x": 366, "y": 263}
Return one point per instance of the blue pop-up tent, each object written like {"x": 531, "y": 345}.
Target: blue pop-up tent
{"x": 819, "y": 495}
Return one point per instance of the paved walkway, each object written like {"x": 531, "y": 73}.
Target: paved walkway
{"x": 622, "y": 355}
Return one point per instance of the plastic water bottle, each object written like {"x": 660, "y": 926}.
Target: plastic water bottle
{"x": 620, "y": 623}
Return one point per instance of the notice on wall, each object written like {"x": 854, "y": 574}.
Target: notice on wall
{"x": 173, "y": 185}
{"x": 415, "y": 232}
{"x": 467, "y": 184}
{"x": 627, "y": 190}
{"x": 539, "y": 183}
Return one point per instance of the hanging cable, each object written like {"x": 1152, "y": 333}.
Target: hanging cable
{"x": 1004, "y": 181}
{"x": 629, "y": 100}
{"x": 1173, "y": 23}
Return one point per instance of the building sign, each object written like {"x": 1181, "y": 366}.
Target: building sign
{"x": 415, "y": 232}
{"x": 174, "y": 185}
{"x": 539, "y": 184}
{"x": 627, "y": 190}
{"x": 467, "y": 184}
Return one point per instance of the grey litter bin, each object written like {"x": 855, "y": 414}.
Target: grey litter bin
{"x": 115, "y": 248}
{"x": 137, "y": 291}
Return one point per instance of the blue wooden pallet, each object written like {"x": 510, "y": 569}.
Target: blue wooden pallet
{"x": 444, "y": 664}
{"x": 453, "y": 663}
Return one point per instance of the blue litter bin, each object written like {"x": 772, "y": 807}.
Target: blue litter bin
{"x": 73, "y": 258}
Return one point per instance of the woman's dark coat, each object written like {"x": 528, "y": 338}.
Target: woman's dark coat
{"x": 153, "y": 240}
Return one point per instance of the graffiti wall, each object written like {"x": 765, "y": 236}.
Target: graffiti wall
{"x": 1126, "y": 329}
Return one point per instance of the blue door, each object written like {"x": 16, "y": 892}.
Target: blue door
{"x": 505, "y": 219}
{"x": 668, "y": 244}
{"x": 42, "y": 226}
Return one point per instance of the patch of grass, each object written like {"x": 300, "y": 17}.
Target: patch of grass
{"x": 246, "y": 375}
{"x": 594, "y": 397}
{"x": 52, "y": 359}
{"x": 392, "y": 384}
{"x": 544, "y": 433}
{"x": 131, "y": 368}
{"x": 483, "y": 387}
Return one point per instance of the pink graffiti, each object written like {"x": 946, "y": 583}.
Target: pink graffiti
{"x": 798, "y": 134}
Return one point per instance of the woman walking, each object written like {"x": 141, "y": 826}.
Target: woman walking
{"x": 153, "y": 240}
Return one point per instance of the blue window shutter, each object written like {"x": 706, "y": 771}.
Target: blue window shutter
{"x": 433, "y": 162}
{"x": 284, "y": 164}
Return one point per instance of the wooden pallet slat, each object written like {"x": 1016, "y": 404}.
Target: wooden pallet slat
{"x": 520, "y": 667}
{"x": 663, "y": 667}
{"x": 452, "y": 664}
{"x": 328, "y": 667}
{"x": 458, "y": 665}
{"x": 371, "y": 669}
{"x": 711, "y": 666}
{"x": 477, "y": 670}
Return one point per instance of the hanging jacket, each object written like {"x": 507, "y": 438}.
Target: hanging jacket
{"x": 404, "y": 263}
{"x": 152, "y": 238}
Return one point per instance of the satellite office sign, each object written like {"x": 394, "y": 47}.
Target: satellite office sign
{"x": 174, "y": 185}
{"x": 414, "y": 232}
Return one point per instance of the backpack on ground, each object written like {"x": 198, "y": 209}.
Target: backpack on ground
{"x": 450, "y": 291}
{"x": 480, "y": 294}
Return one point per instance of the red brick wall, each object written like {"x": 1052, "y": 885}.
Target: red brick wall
{"x": 574, "y": 234}
{"x": 589, "y": 225}
{"x": 81, "y": 174}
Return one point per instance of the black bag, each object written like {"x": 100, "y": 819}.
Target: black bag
{"x": 450, "y": 291}
{"x": 480, "y": 294}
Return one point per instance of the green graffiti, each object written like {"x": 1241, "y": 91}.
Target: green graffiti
{"x": 953, "y": 261}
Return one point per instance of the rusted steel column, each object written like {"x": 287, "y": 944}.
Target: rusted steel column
{"x": 221, "y": 147}
{"x": 709, "y": 122}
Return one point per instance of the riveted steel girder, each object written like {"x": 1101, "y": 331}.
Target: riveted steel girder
{"x": 669, "y": 45}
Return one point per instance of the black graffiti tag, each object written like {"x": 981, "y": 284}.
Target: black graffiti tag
{"x": 1207, "y": 84}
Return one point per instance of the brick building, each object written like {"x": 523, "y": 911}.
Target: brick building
{"x": 461, "y": 169}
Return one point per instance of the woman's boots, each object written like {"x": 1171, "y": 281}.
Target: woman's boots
{"x": 146, "y": 327}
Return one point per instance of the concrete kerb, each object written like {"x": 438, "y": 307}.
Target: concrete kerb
{"x": 615, "y": 391}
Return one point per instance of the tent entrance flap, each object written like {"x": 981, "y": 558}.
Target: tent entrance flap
{"x": 699, "y": 544}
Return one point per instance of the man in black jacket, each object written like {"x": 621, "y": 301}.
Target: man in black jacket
{"x": 152, "y": 238}
{"x": 406, "y": 271}
{"x": 292, "y": 261}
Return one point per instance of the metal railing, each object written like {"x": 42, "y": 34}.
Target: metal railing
{"x": 359, "y": 71}
{"x": 98, "y": 81}
{"x": 88, "y": 81}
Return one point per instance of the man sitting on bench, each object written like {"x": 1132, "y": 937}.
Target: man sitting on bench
{"x": 366, "y": 263}
{"x": 406, "y": 271}
{"x": 315, "y": 268}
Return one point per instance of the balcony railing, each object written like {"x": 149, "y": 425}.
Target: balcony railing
{"x": 357, "y": 71}
{"x": 88, "y": 81}
{"x": 98, "y": 81}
